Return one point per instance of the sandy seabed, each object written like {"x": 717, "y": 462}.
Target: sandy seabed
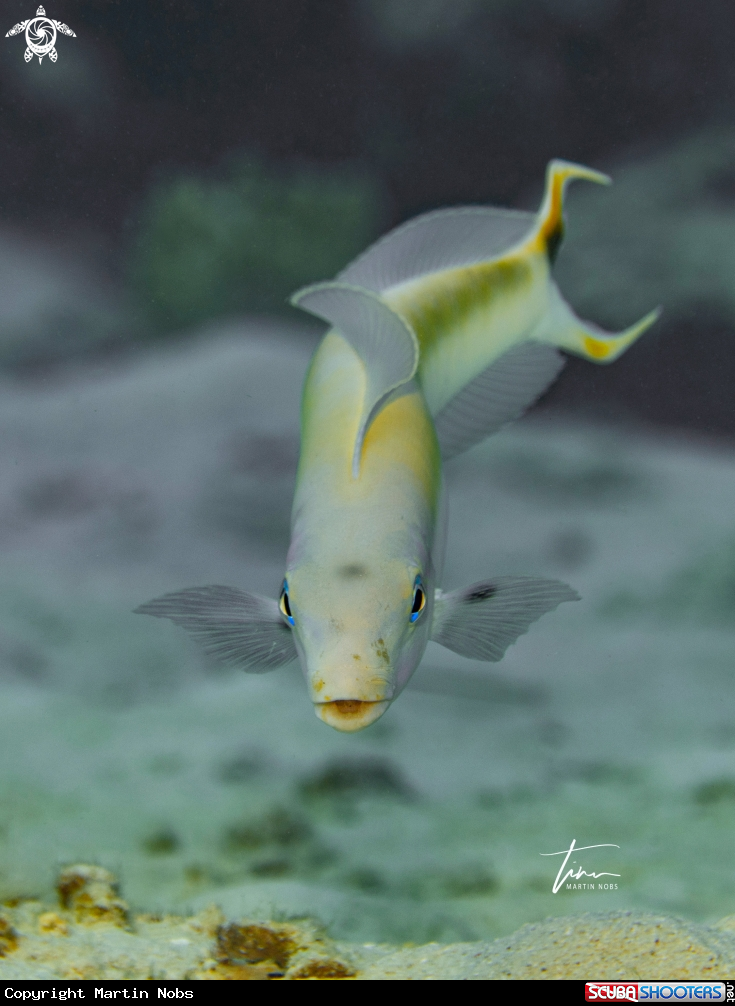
{"x": 610, "y": 723}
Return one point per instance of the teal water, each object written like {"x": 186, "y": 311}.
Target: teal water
{"x": 610, "y": 722}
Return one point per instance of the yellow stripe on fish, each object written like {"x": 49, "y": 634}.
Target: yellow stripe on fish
{"x": 453, "y": 313}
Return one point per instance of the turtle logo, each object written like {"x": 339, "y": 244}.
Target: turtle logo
{"x": 40, "y": 35}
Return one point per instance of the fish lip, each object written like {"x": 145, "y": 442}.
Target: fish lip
{"x": 350, "y": 715}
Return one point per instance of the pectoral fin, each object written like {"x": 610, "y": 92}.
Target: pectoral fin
{"x": 385, "y": 343}
{"x": 442, "y": 239}
{"x": 481, "y": 621}
{"x": 498, "y": 395}
{"x": 229, "y": 624}
{"x": 561, "y": 327}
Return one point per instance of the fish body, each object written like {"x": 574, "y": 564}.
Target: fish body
{"x": 359, "y": 544}
{"x": 440, "y": 333}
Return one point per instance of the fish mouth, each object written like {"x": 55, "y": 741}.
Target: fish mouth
{"x": 349, "y": 715}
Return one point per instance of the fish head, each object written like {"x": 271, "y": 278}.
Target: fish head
{"x": 360, "y": 627}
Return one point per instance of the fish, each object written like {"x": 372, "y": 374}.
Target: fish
{"x": 439, "y": 334}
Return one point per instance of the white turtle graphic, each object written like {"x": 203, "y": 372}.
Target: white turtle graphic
{"x": 40, "y": 35}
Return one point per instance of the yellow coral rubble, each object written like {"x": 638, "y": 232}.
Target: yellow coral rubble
{"x": 91, "y": 933}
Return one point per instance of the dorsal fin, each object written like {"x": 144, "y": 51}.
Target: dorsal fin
{"x": 385, "y": 343}
{"x": 464, "y": 235}
{"x": 501, "y": 393}
{"x": 442, "y": 239}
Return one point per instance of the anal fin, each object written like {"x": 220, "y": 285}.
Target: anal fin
{"x": 500, "y": 394}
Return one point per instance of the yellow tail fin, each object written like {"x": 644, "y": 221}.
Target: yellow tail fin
{"x": 550, "y": 216}
{"x": 561, "y": 327}
{"x": 591, "y": 342}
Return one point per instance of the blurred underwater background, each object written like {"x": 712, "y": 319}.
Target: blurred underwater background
{"x": 165, "y": 185}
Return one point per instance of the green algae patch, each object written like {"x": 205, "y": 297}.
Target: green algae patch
{"x": 245, "y": 238}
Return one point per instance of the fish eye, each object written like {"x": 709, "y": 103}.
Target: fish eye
{"x": 284, "y": 605}
{"x": 419, "y": 599}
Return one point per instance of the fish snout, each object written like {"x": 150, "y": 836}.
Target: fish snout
{"x": 351, "y": 678}
{"x": 349, "y": 715}
{"x": 350, "y": 701}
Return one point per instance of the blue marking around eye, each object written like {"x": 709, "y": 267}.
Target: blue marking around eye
{"x": 417, "y": 585}
{"x": 285, "y": 605}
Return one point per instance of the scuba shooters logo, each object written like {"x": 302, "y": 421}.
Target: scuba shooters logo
{"x": 634, "y": 992}
{"x": 40, "y": 35}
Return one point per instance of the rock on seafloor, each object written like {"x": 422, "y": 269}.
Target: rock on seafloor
{"x": 92, "y": 935}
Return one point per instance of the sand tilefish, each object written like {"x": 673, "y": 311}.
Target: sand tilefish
{"x": 440, "y": 333}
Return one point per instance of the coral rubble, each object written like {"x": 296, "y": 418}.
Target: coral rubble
{"x": 92, "y": 934}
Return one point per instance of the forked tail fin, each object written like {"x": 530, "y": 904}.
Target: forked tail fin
{"x": 560, "y": 326}
{"x": 550, "y": 217}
